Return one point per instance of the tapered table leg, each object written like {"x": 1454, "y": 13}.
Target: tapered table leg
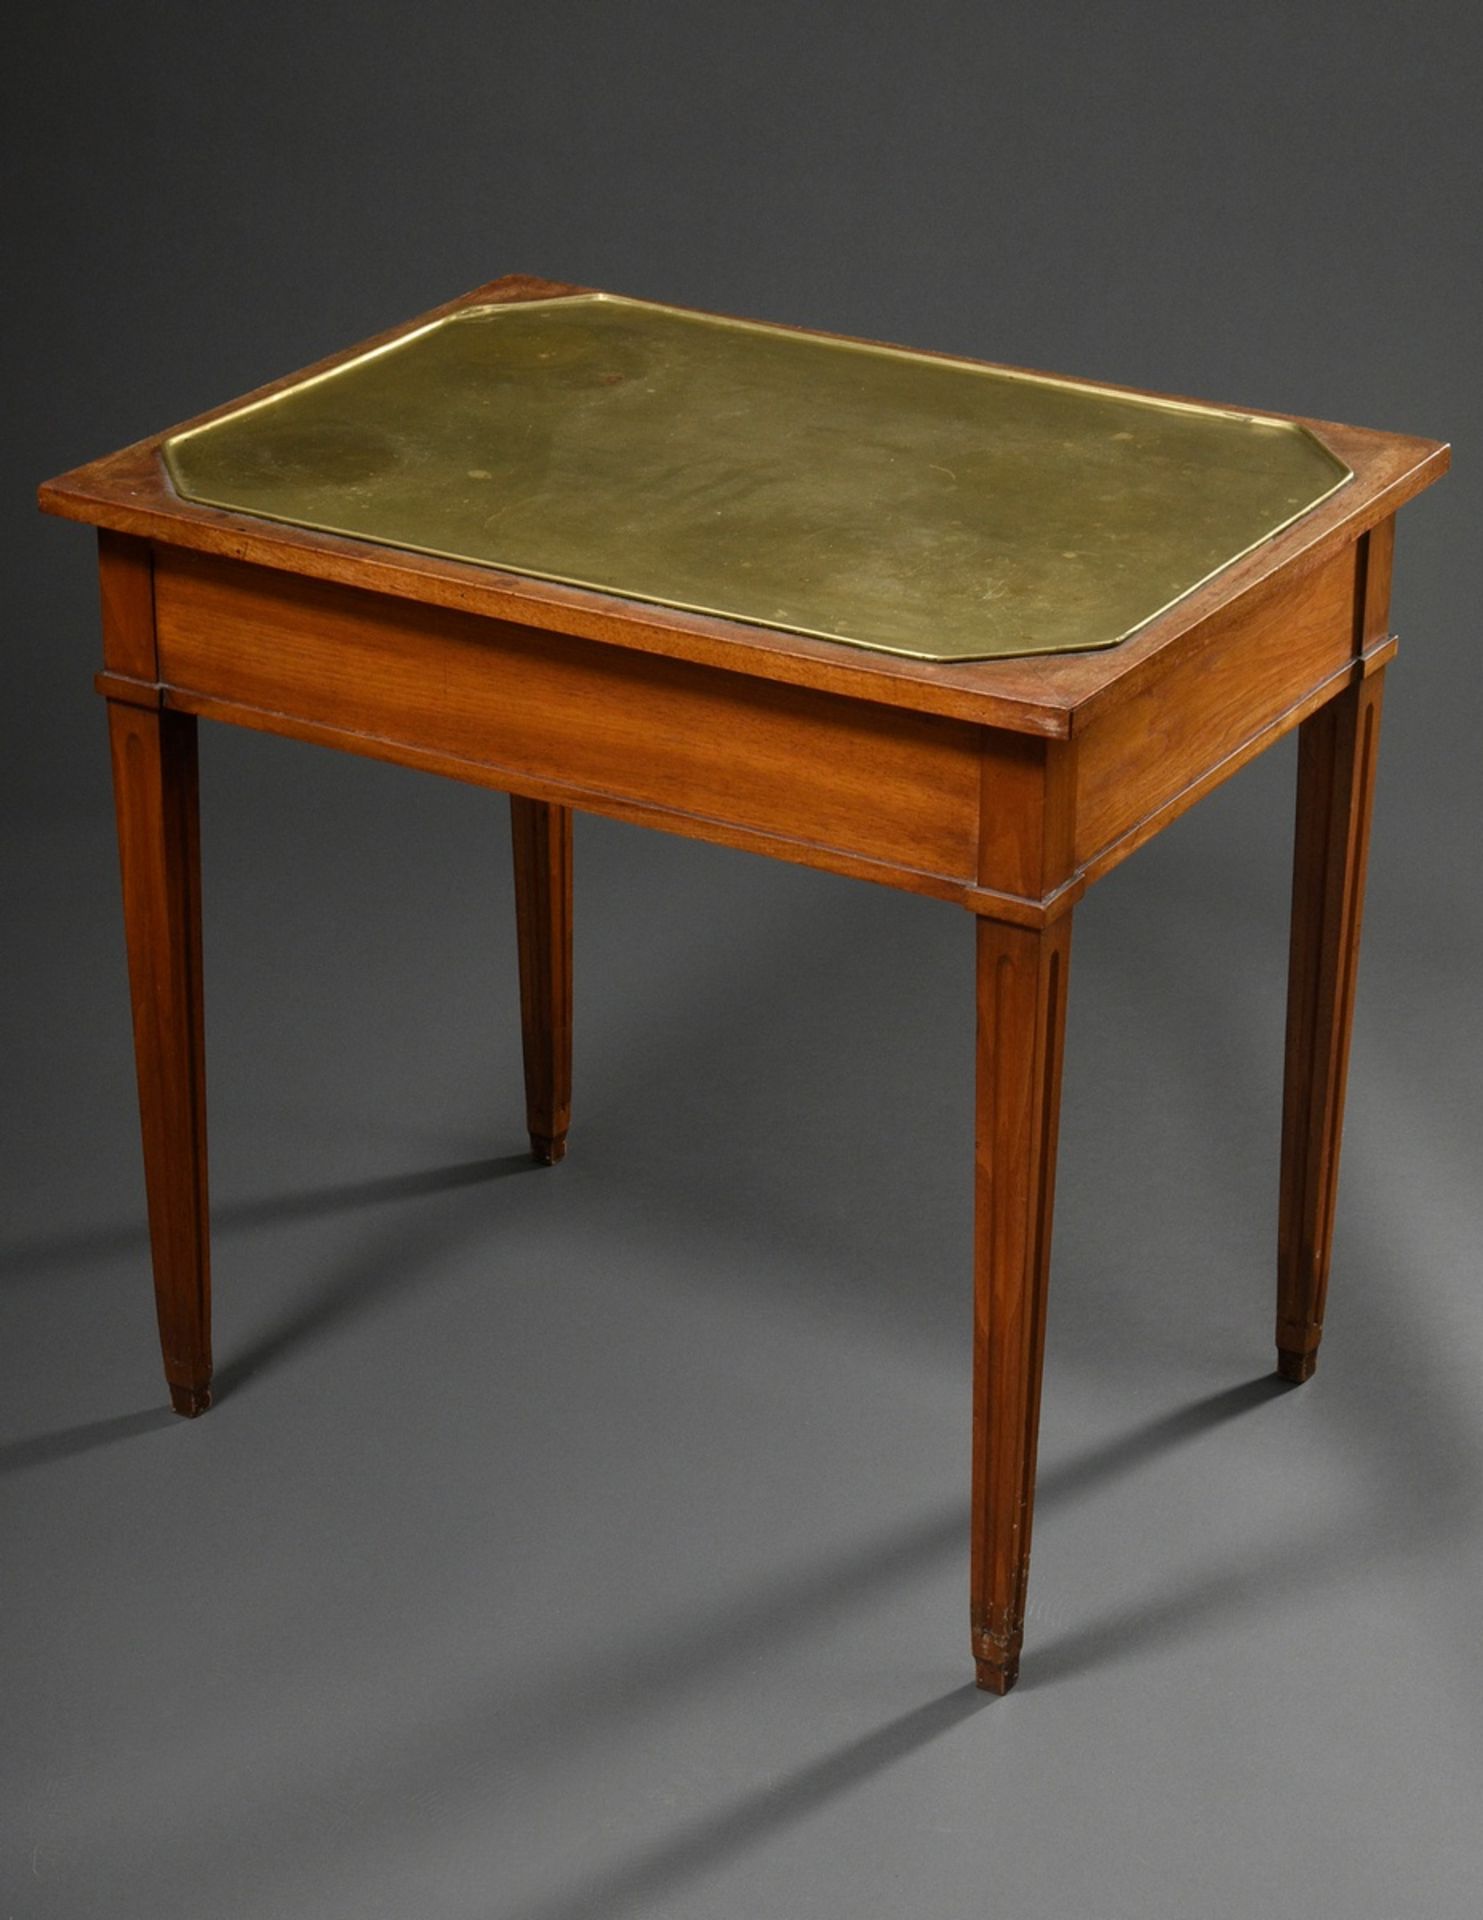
{"x": 154, "y": 787}
{"x": 1021, "y": 1024}
{"x": 542, "y": 836}
{"x": 1336, "y": 781}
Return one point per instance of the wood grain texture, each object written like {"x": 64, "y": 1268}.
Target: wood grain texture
{"x": 1164, "y": 814}
{"x": 154, "y": 784}
{"x": 1022, "y": 980}
{"x": 1163, "y": 731}
{"x": 829, "y": 781}
{"x": 1336, "y": 783}
{"x": 129, "y": 491}
{"x": 126, "y": 597}
{"x": 542, "y": 839}
{"x": 1026, "y": 835}
{"x": 1374, "y": 563}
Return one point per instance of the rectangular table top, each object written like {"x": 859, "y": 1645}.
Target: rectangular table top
{"x": 890, "y": 500}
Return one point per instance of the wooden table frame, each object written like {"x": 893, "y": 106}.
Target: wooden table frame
{"x": 1006, "y": 787}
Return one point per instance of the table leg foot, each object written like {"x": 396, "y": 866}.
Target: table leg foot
{"x": 190, "y": 1402}
{"x": 995, "y": 1676}
{"x": 548, "y": 1147}
{"x": 1295, "y": 1366}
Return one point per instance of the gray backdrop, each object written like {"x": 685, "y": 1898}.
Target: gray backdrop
{"x": 593, "y": 1542}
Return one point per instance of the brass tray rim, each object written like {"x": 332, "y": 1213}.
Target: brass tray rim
{"x": 840, "y": 342}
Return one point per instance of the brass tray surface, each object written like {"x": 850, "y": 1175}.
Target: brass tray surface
{"x": 866, "y": 494}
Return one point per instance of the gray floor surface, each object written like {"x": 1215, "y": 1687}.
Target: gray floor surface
{"x": 593, "y": 1541}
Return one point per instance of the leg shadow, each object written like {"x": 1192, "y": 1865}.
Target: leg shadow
{"x": 1098, "y": 1464}
{"x": 105, "y": 1243}
{"x": 40, "y": 1449}
{"x": 645, "y": 1883}
{"x": 1245, "y": 1587}
{"x": 361, "y": 1282}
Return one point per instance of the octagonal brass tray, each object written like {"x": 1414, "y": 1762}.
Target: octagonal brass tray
{"x": 864, "y": 494}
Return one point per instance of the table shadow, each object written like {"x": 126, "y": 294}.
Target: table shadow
{"x": 609, "y": 1693}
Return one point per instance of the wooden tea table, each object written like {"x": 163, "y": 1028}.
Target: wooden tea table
{"x": 974, "y": 633}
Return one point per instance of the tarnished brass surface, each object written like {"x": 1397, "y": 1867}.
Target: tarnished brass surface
{"x": 864, "y": 494}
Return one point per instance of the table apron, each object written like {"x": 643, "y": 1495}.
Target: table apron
{"x": 1243, "y": 678}
{"x": 1009, "y": 825}
{"x": 794, "y": 772}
